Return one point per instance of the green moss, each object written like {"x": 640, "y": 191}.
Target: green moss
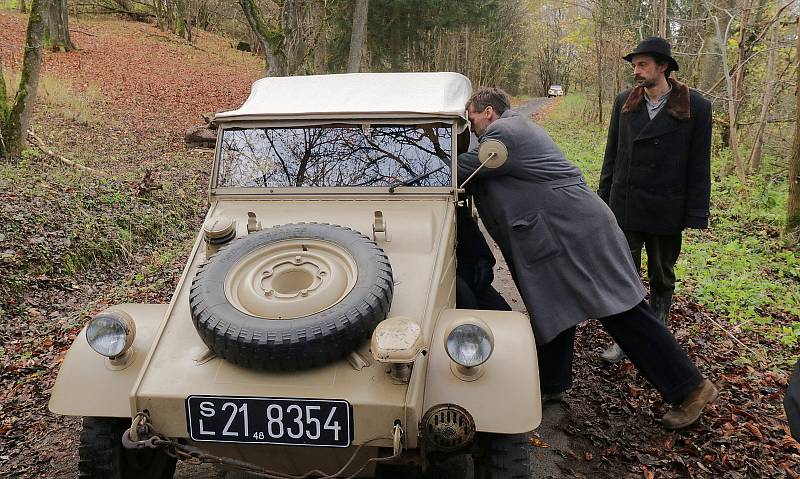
{"x": 61, "y": 224}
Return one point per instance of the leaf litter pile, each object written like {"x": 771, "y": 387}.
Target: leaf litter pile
{"x": 614, "y": 413}
{"x": 74, "y": 244}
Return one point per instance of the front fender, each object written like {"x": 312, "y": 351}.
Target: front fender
{"x": 506, "y": 399}
{"x": 87, "y": 384}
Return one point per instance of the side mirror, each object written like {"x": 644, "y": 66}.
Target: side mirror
{"x": 492, "y": 154}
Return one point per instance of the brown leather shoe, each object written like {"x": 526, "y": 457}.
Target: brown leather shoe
{"x": 687, "y": 412}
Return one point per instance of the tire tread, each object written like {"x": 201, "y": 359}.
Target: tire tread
{"x": 251, "y": 342}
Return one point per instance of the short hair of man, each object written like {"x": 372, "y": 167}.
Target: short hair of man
{"x": 489, "y": 96}
{"x": 663, "y": 61}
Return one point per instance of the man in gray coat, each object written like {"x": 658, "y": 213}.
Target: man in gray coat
{"x": 569, "y": 259}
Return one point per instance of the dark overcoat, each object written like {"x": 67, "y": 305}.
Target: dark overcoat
{"x": 656, "y": 173}
{"x": 569, "y": 259}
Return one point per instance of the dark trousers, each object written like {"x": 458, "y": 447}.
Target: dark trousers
{"x": 484, "y": 298}
{"x": 662, "y": 254}
{"x": 646, "y": 341}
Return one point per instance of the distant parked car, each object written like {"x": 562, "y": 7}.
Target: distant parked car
{"x": 555, "y": 90}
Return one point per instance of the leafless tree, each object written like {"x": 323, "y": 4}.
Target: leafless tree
{"x": 57, "y": 34}
{"x": 766, "y": 101}
{"x": 358, "y": 35}
{"x": 793, "y": 204}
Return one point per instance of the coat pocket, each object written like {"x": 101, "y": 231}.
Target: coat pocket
{"x": 532, "y": 239}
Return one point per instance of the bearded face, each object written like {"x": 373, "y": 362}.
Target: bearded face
{"x": 646, "y": 71}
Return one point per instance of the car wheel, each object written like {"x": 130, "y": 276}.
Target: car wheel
{"x": 102, "y": 455}
{"x": 291, "y": 297}
{"x": 503, "y": 456}
{"x": 451, "y": 466}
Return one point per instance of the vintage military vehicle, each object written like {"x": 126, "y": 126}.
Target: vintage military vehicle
{"x": 314, "y": 328}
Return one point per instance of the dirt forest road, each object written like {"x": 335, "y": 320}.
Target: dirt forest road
{"x": 533, "y": 105}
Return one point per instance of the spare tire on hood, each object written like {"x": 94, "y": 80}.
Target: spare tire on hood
{"x": 291, "y": 297}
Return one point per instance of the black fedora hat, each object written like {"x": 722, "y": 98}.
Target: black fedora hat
{"x": 656, "y": 46}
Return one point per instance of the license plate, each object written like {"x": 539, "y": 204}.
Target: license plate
{"x": 302, "y": 422}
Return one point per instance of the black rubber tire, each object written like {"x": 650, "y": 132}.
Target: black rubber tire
{"x": 451, "y": 466}
{"x": 299, "y": 343}
{"x": 102, "y": 455}
{"x": 503, "y": 456}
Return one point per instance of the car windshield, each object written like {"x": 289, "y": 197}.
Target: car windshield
{"x": 336, "y": 155}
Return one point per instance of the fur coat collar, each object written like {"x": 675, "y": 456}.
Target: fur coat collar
{"x": 677, "y": 104}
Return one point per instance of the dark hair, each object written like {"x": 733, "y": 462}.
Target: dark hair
{"x": 489, "y": 96}
{"x": 660, "y": 60}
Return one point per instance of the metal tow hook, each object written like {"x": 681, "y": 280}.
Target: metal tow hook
{"x": 128, "y": 443}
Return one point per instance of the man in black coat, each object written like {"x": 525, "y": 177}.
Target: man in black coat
{"x": 656, "y": 171}
{"x": 791, "y": 402}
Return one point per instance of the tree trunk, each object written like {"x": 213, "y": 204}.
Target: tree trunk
{"x": 57, "y": 33}
{"x": 22, "y": 7}
{"x": 181, "y": 25}
{"x": 661, "y": 17}
{"x": 3, "y": 99}
{"x": 792, "y": 233}
{"x": 3, "y": 111}
{"x": 357, "y": 35}
{"x": 15, "y": 125}
{"x": 269, "y": 36}
{"x": 599, "y": 52}
{"x": 294, "y": 44}
{"x": 158, "y": 6}
{"x": 733, "y": 139}
{"x": 709, "y": 64}
{"x": 766, "y": 101}
{"x": 741, "y": 55}
{"x": 323, "y": 39}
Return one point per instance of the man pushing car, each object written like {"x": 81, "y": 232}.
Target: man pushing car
{"x": 569, "y": 259}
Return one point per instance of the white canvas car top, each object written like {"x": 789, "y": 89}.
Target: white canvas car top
{"x": 363, "y": 95}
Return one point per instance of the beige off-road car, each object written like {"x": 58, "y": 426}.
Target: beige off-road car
{"x": 314, "y": 332}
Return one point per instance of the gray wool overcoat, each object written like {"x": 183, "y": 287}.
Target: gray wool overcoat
{"x": 569, "y": 259}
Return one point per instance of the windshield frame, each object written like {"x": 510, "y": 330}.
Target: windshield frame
{"x": 339, "y": 190}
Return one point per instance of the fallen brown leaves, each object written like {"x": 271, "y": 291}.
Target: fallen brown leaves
{"x": 742, "y": 435}
{"x": 536, "y": 442}
{"x": 151, "y": 91}
{"x": 150, "y": 83}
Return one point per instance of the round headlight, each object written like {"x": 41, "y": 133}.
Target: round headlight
{"x": 111, "y": 333}
{"x": 469, "y": 344}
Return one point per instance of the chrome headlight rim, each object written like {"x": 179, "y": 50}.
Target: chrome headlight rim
{"x": 110, "y": 333}
{"x": 467, "y": 327}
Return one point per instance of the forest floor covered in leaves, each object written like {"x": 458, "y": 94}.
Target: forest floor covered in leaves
{"x": 72, "y": 243}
